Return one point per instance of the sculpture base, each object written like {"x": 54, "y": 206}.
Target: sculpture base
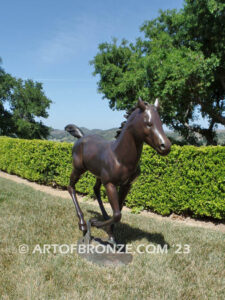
{"x": 101, "y": 252}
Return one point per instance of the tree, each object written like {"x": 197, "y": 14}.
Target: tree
{"x": 25, "y": 101}
{"x": 6, "y": 85}
{"x": 181, "y": 60}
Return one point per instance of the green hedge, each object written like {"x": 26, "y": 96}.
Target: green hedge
{"x": 189, "y": 180}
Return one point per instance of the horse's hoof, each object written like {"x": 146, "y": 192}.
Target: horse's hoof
{"x": 83, "y": 227}
{"x": 112, "y": 241}
{"x": 94, "y": 222}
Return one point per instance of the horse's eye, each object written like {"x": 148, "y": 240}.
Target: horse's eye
{"x": 149, "y": 125}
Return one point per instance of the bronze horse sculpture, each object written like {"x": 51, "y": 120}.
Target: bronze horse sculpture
{"x": 115, "y": 163}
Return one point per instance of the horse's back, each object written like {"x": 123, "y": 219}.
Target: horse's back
{"x": 90, "y": 152}
{"x": 89, "y": 141}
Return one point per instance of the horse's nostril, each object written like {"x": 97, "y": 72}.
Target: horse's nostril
{"x": 162, "y": 147}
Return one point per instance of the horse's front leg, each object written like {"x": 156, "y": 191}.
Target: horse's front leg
{"x": 124, "y": 189}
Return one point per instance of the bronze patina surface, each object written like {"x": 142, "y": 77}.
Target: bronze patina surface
{"x": 116, "y": 163}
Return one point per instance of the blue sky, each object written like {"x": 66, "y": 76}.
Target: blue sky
{"x": 54, "y": 41}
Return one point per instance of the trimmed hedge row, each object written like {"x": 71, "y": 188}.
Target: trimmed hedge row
{"x": 189, "y": 180}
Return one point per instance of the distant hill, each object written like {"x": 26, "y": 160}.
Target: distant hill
{"x": 176, "y": 138}
{"x": 63, "y": 136}
{"x": 109, "y": 134}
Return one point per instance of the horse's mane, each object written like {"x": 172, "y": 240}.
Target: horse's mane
{"x": 128, "y": 113}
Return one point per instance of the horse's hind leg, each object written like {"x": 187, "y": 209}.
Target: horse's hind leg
{"x": 74, "y": 177}
{"x": 98, "y": 196}
{"x": 114, "y": 201}
{"x": 109, "y": 229}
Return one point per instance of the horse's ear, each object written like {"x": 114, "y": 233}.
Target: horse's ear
{"x": 156, "y": 104}
{"x": 141, "y": 104}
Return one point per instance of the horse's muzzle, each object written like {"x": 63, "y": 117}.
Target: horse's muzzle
{"x": 164, "y": 148}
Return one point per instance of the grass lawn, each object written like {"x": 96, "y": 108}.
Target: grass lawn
{"x": 31, "y": 217}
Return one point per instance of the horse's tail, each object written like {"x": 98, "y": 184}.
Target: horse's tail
{"x": 74, "y": 131}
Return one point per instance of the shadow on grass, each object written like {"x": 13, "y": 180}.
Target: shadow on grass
{"x": 124, "y": 233}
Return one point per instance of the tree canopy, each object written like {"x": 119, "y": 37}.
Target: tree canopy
{"x": 21, "y": 103}
{"x": 180, "y": 58}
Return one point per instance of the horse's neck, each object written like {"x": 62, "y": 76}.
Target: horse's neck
{"x": 128, "y": 149}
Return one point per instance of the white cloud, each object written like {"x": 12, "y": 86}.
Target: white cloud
{"x": 71, "y": 38}
{"x": 58, "y": 47}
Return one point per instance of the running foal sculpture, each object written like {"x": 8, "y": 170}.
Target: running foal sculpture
{"x": 115, "y": 163}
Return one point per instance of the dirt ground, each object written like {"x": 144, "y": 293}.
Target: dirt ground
{"x": 64, "y": 194}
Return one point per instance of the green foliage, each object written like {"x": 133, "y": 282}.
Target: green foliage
{"x": 180, "y": 60}
{"x": 189, "y": 180}
{"x": 45, "y": 162}
{"x": 25, "y": 101}
{"x": 122, "y": 73}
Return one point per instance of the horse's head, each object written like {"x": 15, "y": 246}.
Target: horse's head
{"x": 151, "y": 129}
